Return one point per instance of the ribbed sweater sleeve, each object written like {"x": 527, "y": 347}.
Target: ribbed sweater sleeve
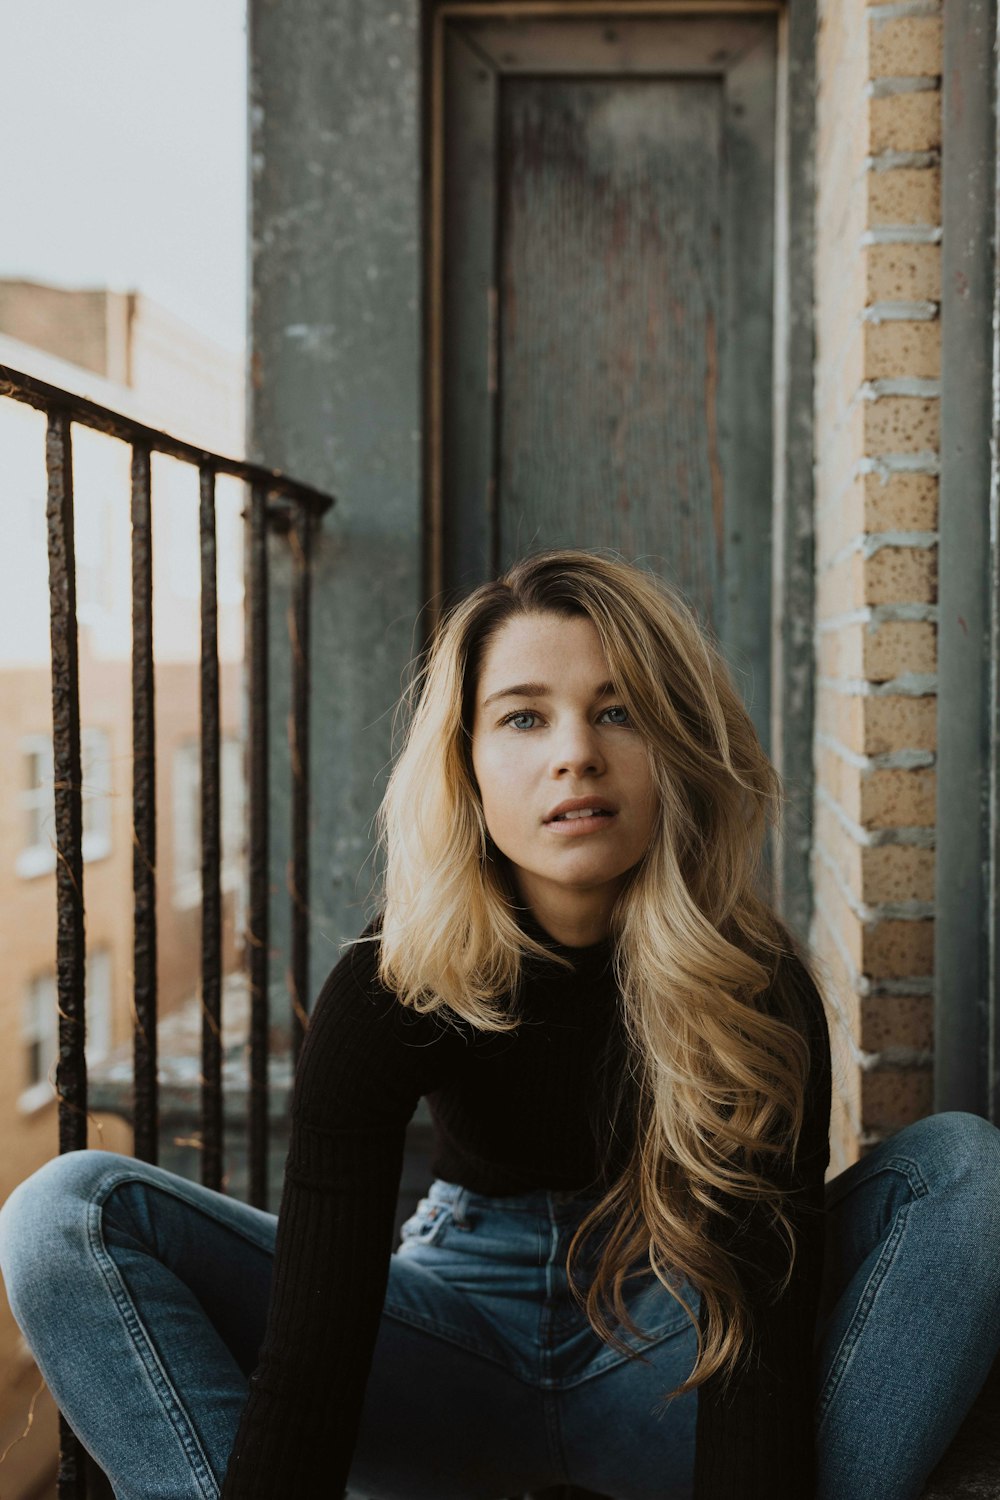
{"x": 756, "y": 1441}
{"x": 364, "y": 1064}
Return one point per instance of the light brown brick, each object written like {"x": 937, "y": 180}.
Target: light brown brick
{"x": 842, "y": 716}
{"x": 874, "y": 351}
{"x": 896, "y": 647}
{"x": 840, "y": 429}
{"x": 905, "y": 122}
{"x": 898, "y": 950}
{"x": 841, "y": 587}
{"x": 896, "y": 872}
{"x": 841, "y": 780}
{"x": 834, "y": 842}
{"x": 907, "y": 273}
{"x": 898, "y": 798}
{"x": 840, "y": 653}
{"x": 846, "y": 1076}
{"x": 900, "y": 502}
{"x": 842, "y": 136}
{"x": 841, "y": 453}
{"x": 897, "y": 1021}
{"x": 905, "y": 46}
{"x": 845, "y": 922}
{"x": 894, "y": 1097}
{"x": 903, "y": 195}
{"x": 898, "y": 723}
{"x": 841, "y": 519}
{"x": 902, "y": 424}
{"x": 844, "y": 1150}
{"x": 874, "y": 872}
{"x": 845, "y": 218}
{"x": 896, "y": 575}
{"x": 873, "y": 725}
{"x": 893, "y": 349}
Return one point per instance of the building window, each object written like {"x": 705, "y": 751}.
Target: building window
{"x": 187, "y": 818}
{"x": 38, "y": 855}
{"x": 41, "y": 1027}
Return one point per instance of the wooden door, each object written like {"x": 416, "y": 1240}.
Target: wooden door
{"x": 602, "y": 305}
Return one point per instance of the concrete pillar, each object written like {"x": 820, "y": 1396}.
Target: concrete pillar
{"x": 335, "y": 398}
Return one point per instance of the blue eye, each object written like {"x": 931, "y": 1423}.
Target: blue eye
{"x": 521, "y": 713}
{"x": 618, "y": 709}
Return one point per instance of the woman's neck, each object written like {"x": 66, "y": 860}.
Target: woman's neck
{"x": 577, "y": 923}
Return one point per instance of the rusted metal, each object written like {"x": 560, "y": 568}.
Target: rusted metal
{"x": 71, "y": 1079}
{"x": 71, "y": 1479}
{"x": 279, "y": 505}
{"x": 211, "y": 847}
{"x": 258, "y": 925}
{"x": 71, "y": 1071}
{"x": 143, "y": 814}
{"x": 50, "y": 398}
{"x": 301, "y": 544}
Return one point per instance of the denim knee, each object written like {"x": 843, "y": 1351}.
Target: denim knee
{"x": 956, "y": 1147}
{"x": 45, "y": 1218}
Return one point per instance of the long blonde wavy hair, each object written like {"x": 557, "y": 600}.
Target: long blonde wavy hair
{"x": 718, "y": 1081}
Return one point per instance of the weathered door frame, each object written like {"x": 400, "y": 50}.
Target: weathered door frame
{"x": 792, "y": 517}
{"x": 967, "y": 861}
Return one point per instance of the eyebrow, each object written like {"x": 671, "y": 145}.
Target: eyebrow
{"x": 539, "y": 690}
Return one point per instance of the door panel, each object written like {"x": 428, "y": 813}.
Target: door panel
{"x": 605, "y": 296}
{"x": 609, "y": 306}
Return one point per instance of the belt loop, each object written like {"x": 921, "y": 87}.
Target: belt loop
{"x": 458, "y": 1207}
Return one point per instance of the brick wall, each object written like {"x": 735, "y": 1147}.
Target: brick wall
{"x": 877, "y": 413}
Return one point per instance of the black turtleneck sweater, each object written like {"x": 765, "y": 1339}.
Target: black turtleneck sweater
{"x": 512, "y": 1112}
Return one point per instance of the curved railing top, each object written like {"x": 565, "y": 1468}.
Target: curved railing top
{"x": 50, "y": 398}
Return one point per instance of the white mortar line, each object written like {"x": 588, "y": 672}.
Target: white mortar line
{"x": 901, "y": 234}
{"x": 875, "y": 615}
{"x": 894, "y": 161}
{"x": 885, "y": 760}
{"x": 909, "y": 685}
{"x": 916, "y": 83}
{"x": 868, "y": 543}
{"x": 896, "y": 9}
{"x": 899, "y": 310}
{"x": 870, "y": 838}
{"x": 901, "y": 385}
{"x": 887, "y": 464}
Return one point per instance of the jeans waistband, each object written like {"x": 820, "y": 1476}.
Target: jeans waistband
{"x": 545, "y": 1203}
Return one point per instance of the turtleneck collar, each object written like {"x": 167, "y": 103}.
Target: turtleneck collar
{"x": 589, "y": 961}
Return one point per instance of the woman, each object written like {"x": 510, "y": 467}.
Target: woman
{"x": 616, "y": 1278}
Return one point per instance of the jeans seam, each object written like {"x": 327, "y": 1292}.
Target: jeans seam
{"x": 855, "y": 1329}
{"x": 450, "y": 1335}
{"x": 159, "y": 1381}
{"x": 902, "y": 1164}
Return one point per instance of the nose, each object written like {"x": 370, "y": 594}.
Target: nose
{"x": 576, "y": 750}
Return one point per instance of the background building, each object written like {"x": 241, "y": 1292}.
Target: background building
{"x": 132, "y": 356}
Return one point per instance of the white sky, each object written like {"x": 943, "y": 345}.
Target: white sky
{"x": 124, "y": 153}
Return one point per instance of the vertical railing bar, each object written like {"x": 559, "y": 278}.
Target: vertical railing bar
{"x": 145, "y": 1108}
{"x": 258, "y": 926}
{"x": 71, "y": 1068}
{"x": 71, "y": 1074}
{"x": 300, "y": 540}
{"x": 211, "y": 853}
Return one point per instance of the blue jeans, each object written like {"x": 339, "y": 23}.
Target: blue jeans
{"x": 144, "y": 1296}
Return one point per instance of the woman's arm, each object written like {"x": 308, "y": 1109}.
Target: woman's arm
{"x": 364, "y": 1064}
{"x": 757, "y": 1441}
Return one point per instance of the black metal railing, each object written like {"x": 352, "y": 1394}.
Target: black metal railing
{"x": 276, "y": 503}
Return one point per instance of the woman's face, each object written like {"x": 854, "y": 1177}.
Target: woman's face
{"x": 550, "y": 729}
